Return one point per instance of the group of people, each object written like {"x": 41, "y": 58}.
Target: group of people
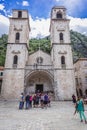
{"x": 37, "y": 100}
{"x": 43, "y": 100}
{"x": 79, "y": 107}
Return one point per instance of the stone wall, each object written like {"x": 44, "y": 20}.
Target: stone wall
{"x": 13, "y": 83}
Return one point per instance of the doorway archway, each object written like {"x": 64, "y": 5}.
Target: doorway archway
{"x": 39, "y": 81}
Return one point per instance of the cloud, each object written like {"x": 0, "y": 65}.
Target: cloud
{"x": 25, "y": 3}
{"x": 1, "y": 6}
{"x": 4, "y": 25}
{"x": 17, "y": 3}
{"x": 40, "y": 26}
{"x": 78, "y": 24}
{"x": 73, "y": 6}
{"x": 57, "y": 0}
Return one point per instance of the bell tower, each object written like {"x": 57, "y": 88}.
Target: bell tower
{"x": 16, "y": 55}
{"x": 61, "y": 54}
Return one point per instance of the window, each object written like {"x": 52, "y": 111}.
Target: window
{"x": 63, "y": 61}
{"x": 59, "y": 15}
{"x": 39, "y": 60}
{"x": 19, "y": 14}
{"x": 61, "y": 37}
{"x": 15, "y": 61}
{"x": 17, "y": 37}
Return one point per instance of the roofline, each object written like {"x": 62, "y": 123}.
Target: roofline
{"x": 59, "y": 7}
{"x": 80, "y": 59}
{"x": 20, "y": 10}
{"x": 37, "y": 51}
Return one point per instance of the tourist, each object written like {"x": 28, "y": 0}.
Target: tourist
{"x": 45, "y": 100}
{"x": 74, "y": 99}
{"x": 34, "y": 100}
{"x": 31, "y": 101}
{"x": 80, "y": 109}
{"x": 27, "y": 99}
{"x": 21, "y": 104}
{"x": 42, "y": 100}
{"x": 49, "y": 100}
{"x": 37, "y": 100}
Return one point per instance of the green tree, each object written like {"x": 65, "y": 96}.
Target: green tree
{"x": 3, "y": 45}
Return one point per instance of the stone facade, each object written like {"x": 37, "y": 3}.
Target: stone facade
{"x": 16, "y": 55}
{"x": 61, "y": 54}
{"x": 39, "y": 71}
{"x": 81, "y": 76}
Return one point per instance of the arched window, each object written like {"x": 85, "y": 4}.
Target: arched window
{"x": 59, "y": 15}
{"x": 15, "y": 61}
{"x": 61, "y": 37}
{"x": 39, "y": 60}
{"x": 63, "y": 61}
{"x": 17, "y": 37}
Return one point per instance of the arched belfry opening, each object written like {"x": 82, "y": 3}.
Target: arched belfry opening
{"x": 59, "y": 15}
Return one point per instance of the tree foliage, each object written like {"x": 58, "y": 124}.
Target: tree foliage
{"x": 78, "y": 42}
{"x": 3, "y": 45}
{"x": 43, "y": 44}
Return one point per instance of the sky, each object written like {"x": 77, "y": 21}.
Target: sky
{"x": 39, "y": 14}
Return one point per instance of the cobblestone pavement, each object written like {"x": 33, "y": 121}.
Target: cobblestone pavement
{"x": 58, "y": 117}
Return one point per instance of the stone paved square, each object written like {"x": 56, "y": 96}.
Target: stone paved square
{"x": 58, "y": 117}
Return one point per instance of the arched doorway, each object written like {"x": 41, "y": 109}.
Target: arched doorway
{"x": 39, "y": 81}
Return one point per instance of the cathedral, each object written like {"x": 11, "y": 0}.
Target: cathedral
{"x": 39, "y": 71}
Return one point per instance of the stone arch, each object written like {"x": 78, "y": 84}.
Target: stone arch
{"x": 39, "y": 78}
{"x": 35, "y": 71}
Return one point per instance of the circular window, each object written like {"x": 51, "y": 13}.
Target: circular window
{"x": 39, "y": 60}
